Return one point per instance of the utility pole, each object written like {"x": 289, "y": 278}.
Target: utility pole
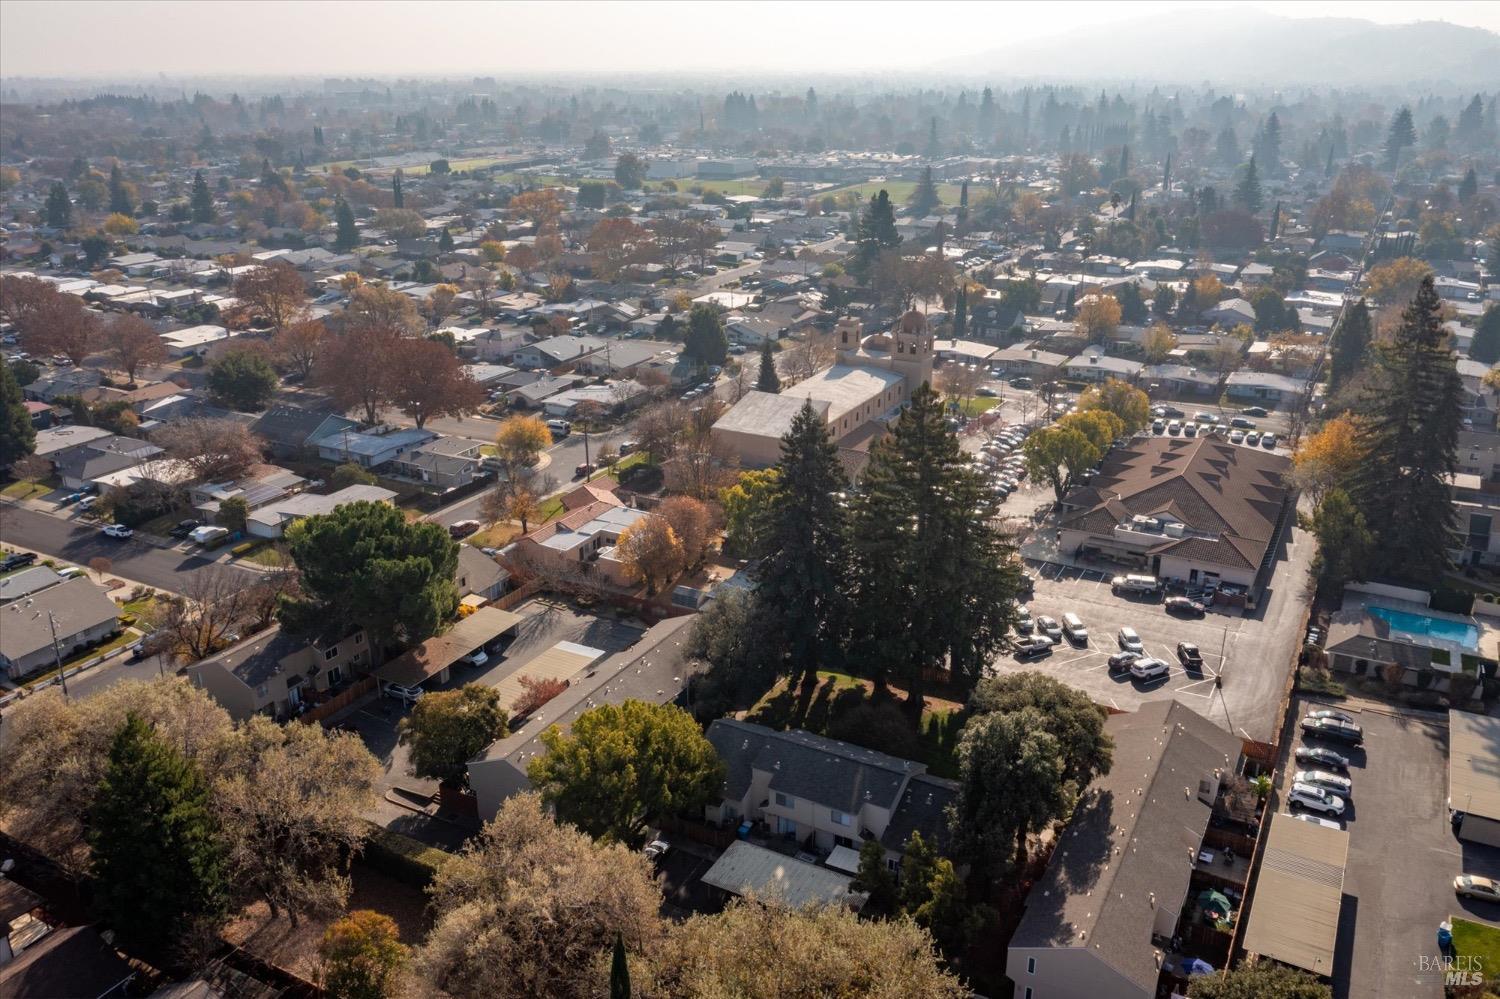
{"x": 62, "y": 674}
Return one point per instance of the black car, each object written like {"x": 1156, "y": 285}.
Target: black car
{"x": 16, "y": 560}
{"x": 1184, "y": 606}
{"x": 184, "y": 528}
{"x": 1254, "y": 411}
{"x": 1170, "y": 412}
{"x": 1332, "y": 728}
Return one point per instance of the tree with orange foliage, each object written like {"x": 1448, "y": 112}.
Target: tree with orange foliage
{"x": 275, "y": 291}
{"x": 1098, "y": 317}
{"x": 613, "y": 243}
{"x": 1396, "y": 282}
{"x": 297, "y": 344}
{"x": 356, "y": 368}
{"x": 1328, "y": 458}
{"x": 542, "y": 208}
{"x": 692, "y": 522}
{"x": 651, "y": 552}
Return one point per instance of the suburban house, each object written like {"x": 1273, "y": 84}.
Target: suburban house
{"x": 262, "y": 485}
{"x": 1119, "y": 887}
{"x": 274, "y": 674}
{"x": 1473, "y": 761}
{"x": 611, "y": 398}
{"x": 1379, "y": 626}
{"x": 478, "y": 574}
{"x": 293, "y": 432}
{"x": 78, "y": 466}
{"x": 1095, "y": 366}
{"x": 272, "y": 520}
{"x": 26, "y": 582}
{"x": 825, "y": 794}
{"x": 580, "y": 544}
{"x": 447, "y": 463}
{"x": 1179, "y": 380}
{"x": 555, "y": 352}
{"x": 1200, "y": 510}
{"x": 78, "y": 612}
{"x": 1021, "y": 361}
{"x": 1263, "y": 386}
{"x": 369, "y": 449}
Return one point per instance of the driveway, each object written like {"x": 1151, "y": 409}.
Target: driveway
{"x": 1403, "y": 856}
{"x": 1246, "y": 658}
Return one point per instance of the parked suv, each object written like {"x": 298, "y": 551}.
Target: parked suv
{"x": 1147, "y": 668}
{"x": 1129, "y": 640}
{"x": 1073, "y": 626}
{"x": 1135, "y": 584}
{"x": 1314, "y": 799}
{"x": 1332, "y": 728}
{"x": 1329, "y": 782}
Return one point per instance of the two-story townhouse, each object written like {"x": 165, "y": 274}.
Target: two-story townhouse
{"x": 274, "y": 674}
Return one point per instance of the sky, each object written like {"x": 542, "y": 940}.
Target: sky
{"x": 161, "y": 38}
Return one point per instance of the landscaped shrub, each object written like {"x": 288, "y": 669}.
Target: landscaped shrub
{"x": 402, "y": 857}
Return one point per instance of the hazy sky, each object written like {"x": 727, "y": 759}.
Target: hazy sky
{"x": 219, "y": 37}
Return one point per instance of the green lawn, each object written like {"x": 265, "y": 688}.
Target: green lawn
{"x": 125, "y": 637}
{"x": 899, "y": 190}
{"x": 495, "y": 537}
{"x": 550, "y": 509}
{"x": 1472, "y": 939}
{"x": 25, "y": 489}
{"x": 978, "y": 405}
{"x": 271, "y": 556}
{"x": 820, "y": 709}
{"x": 629, "y": 461}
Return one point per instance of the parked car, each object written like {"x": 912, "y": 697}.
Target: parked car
{"x": 87, "y": 503}
{"x": 403, "y": 693}
{"x": 1174, "y": 428}
{"x": 117, "y": 531}
{"x": 1474, "y": 886}
{"x": 1147, "y": 668}
{"x": 463, "y": 528}
{"x": 1236, "y": 437}
{"x": 16, "y": 560}
{"x": 1049, "y": 627}
{"x": 1331, "y": 713}
{"x": 1314, "y": 799}
{"x": 1021, "y": 383}
{"x": 1321, "y": 757}
{"x": 1034, "y": 648}
{"x": 1134, "y": 584}
{"x": 208, "y": 535}
{"x": 1268, "y": 441}
{"x": 1158, "y": 426}
{"x": 1073, "y": 626}
{"x": 184, "y": 528}
{"x": 1190, "y": 430}
{"x": 1252, "y": 439}
{"x": 1120, "y": 662}
{"x": 584, "y": 468}
{"x": 478, "y": 657}
{"x": 1328, "y": 781}
{"x": 559, "y": 428}
{"x": 1203, "y": 417}
{"x": 656, "y": 850}
{"x": 1241, "y": 423}
{"x": 1129, "y": 640}
{"x": 629, "y": 447}
{"x": 72, "y": 572}
{"x": 1189, "y": 656}
{"x": 1332, "y": 728}
{"x": 985, "y": 392}
{"x": 1184, "y": 606}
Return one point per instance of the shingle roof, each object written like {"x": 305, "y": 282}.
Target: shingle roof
{"x": 832, "y": 773}
{"x": 1130, "y": 847}
{"x": 923, "y": 809}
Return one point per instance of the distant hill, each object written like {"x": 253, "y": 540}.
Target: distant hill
{"x": 1247, "y": 47}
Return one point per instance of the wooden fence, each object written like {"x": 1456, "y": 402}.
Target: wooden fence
{"x": 339, "y": 701}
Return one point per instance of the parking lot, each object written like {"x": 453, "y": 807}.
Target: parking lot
{"x": 1246, "y": 657}
{"x": 1403, "y": 854}
{"x": 545, "y": 623}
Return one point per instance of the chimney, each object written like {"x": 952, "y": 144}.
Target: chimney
{"x": 1093, "y": 358}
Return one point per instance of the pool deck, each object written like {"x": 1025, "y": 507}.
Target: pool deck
{"x": 1486, "y": 644}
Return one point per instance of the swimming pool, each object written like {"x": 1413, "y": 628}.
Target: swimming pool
{"x": 1421, "y": 626}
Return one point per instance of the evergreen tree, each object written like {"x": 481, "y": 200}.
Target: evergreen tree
{"x": 318, "y": 136}
{"x": 158, "y": 863}
{"x": 1268, "y": 148}
{"x": 1344, "y": 542}
{"x": 706, "y": 343}
{"x": 875, "y": 879}
{"x": 1275, "y": 221}
{"x": 119, "y": 194}
{"x": 1247, "y": 191}
{"x": 802, "y": 579}
{"x": 17, "y": 436}
{"x": 1403, "y": 135}
{"x": 1349, "y": 346}
{"x": 1468, "y": 187}
{"x": 931, "y": 575}
{"x": 445, "y": 242}
{"x": 398, "y": 200}
{"x": 960, "y": 313}
{"x": 1328, "y": 167}
{"x": 768, "y": 380}
{"x": 876, "y": 232}
{"x": 201, "y": 203}
{"x": 918, "y": 864}
{"x": 1410, "y": 423}
{"x": 347, "y": 237}
{"x": 59, "y": 210}
{"x": 1471, "y": 119}
{"x": 924, "y": 200}
{"x": 1124, "y": 161}
{"x": 1486, "y": 345}
{"x": 619, "y": 971}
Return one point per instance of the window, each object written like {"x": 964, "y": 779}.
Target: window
{"x": 785, "y": 800}
{"x": 1030, "y": 967}
{"x": 359, "y": 639}
{"x": 893, "y": 865}
{"x": 331, "y": 652}
{"x": 839, "y": 818}
{"x": 1028, "y": 992}
{"x": 786, "y": 827}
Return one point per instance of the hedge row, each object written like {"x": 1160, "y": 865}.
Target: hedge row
{"x": 402, "y": 857}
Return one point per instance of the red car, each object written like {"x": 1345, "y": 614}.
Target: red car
{"x": 1184, "y": 606}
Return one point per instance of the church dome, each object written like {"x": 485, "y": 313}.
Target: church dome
{"x": 912, "y": 322}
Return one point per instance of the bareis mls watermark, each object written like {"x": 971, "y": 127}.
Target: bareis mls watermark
{"x": 1459, "y": 970}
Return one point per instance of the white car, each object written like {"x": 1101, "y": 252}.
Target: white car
{"x": 118, "y": 531}
{"x": 1073, "y": 625}
{"x": 1347, "y": 719}
{"x": 657, "y": 849}
{"x": 1322, "y": 778}
{"x": 401, "y": 692}
{"x": 478, "y": 657}
{"x": 1147, "y": 668}
{"x": 1314, "y": 799}
{"x": 1129, "y": 640}
{"x": 1473, "y": 886}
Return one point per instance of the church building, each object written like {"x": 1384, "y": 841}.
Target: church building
{"x": 857, "y": 396}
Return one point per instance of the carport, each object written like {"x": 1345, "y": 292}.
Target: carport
{"x": 1294, "y": 914}
{"x": 563, "y": 661}
{"x": 1474, "y": 776}
{"x": 436, "y": 656}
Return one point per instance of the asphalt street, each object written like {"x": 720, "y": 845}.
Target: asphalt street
{"x": 77, "y": 542}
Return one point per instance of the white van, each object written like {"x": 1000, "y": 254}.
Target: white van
{"x": 1074, "y": 629}
{"x": 208, "y": 535}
